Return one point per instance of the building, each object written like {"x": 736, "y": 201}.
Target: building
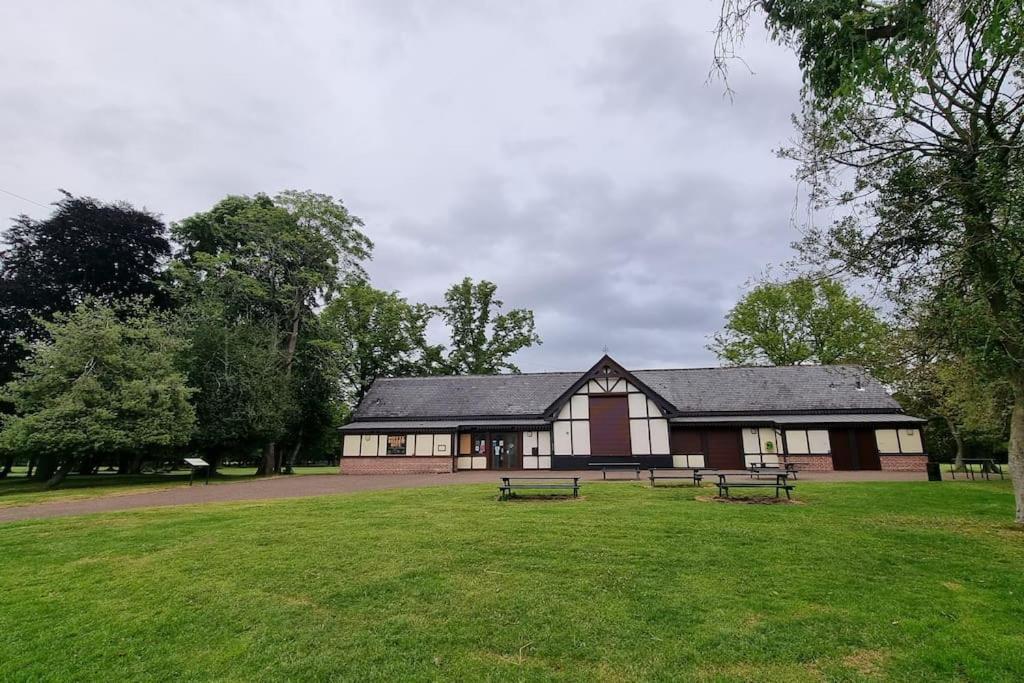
{"x": 824, "y": 417}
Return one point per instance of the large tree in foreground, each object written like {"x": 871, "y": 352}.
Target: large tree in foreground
{"x": 106, "y": 383}
{"x": 802, "y": 321}
{"x": 913, "y": 122}
{"x": 483, "y": 339}
{"x": 271, "y": 261}
{"x": 85, "y": 248}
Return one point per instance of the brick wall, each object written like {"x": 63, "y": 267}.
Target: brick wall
{"x": 811, "y": 463}
{"x": 397, "y": 465}
{"x": 904, "y": 463}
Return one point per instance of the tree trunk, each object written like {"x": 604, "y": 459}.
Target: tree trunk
{"x": 269, "y": 462}
{"x": 290, "y": 464}
{"x": 45, "y": 467}
{"x": 31, "y": 468}
{"x": 61, "y": 472}
{"x": 958, "y": 461}
{"x": 124, "y": 465}
{"x": 8, "y": 466}
{"x": 1016, "y": 450}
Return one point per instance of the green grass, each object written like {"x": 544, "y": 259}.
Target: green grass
{"x": 896, "y": 581}
{"x": 16, "y": 490}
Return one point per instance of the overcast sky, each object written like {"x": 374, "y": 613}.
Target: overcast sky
{"x": 571, "y": 152}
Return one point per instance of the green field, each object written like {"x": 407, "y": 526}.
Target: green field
{"x": 16, "y": 490}
{"x": 897, "y": 581}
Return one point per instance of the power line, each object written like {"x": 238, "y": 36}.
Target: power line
{"x": 30, "y": 201}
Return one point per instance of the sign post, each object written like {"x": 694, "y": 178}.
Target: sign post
{"x": 195, "y": 464}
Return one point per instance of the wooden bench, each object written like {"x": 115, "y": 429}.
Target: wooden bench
{"x": 781, "y": 484}
{"x": 695, "y": 474}
{"x": 606, "y": 466}
{"x": 509, "y": 485}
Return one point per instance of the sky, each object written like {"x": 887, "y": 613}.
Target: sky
{"x": 574, "y": 153}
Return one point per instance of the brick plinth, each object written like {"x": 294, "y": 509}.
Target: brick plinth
{"x": 811, "y": 463}
{"x": 904, "y": 463}
{"x": 406, "y": 464}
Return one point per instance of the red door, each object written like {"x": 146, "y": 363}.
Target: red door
{"x": 867, "y": 450}
{"x": 725, "y": 451}
{"x": 842, "y": 449}
{"x": 609, "y": 425}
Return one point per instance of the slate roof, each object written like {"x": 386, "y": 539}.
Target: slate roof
{"x": 795, "y": 388}
{"x": 696, "y": 391}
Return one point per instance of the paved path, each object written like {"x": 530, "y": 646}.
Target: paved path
{"x": 325, "y": 484}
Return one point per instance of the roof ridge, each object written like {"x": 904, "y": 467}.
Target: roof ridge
{"x": 498, "y": 374}
{"x": 751, "y": 367}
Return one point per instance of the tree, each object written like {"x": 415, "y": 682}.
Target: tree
{"x": 799, "y": 322}
{"x": 104, "y": 383}
{"x": 922, "y": 104}
{"x": 238, "y": 379}
{"x": 86, "y": 248}
{"x": 272, "y": 261}
{"x": 369, "y": 333}
{"x": 482, "y": 339}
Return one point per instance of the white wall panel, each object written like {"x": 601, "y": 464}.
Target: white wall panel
{"x": 580, "y": 407}
{"x": 581, "y": 438}
{"x": 350, "y": 445}
{"x": 563, "y": 438}
{"x": 637, "y": 405}
{"x": 652, "y": 409}
{"x": 529, "y": 442}
{"x": 479, "y": 462}
{"x": 530, "y": 462}
{"x": 442, "y": 444}
{"x": 751, "y": 442}
{"x": 563, "y": 413}
{"x": 796, "y": 441}
{"x": 424, "y": 444}
{"x": 910, "y": 441}
{"x": 659, "y": 437}
{"x": 640, "y": 443}
{"x": 769, "y": 436}
{"x": 544, "y": 443}
{"x": 544, "y": 462}
{"x": 818, "y": 442}
{"x": 464, "y": 462}
{"x": 368, "y": 444}
{"x": 382, "y": 444}
{"x": 887, "y": 441}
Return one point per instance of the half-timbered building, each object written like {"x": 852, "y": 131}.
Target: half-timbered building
{"x": 823, "y": 417}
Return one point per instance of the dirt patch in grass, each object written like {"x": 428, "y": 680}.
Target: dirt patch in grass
{"x": 750, "y": 500}
{"x": 866, "y": 662}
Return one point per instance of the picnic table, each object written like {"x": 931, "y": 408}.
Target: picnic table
{"x": 509, "y": 485}
{"x": 606, "y": 466}
{"x": 983, "y": 466}
{"x": 759, "y": 468}
{"x": 781, "y": 484}
{"x": 696, "y": 474}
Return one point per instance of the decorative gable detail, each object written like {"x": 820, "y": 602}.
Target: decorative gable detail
{"x": 607, "y": 377}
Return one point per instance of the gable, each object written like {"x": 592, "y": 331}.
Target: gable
{"x": 607, "y": 378}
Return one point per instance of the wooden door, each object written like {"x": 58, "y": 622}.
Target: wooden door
{"x": 609, "y": 426}
{"x": 867, "y": 450}
{"x": 725, "y": 451}
{"x": 842, "y": 449}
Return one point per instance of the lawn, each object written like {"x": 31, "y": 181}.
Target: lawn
{"x": 898, "y": 581}
{"x": 16, "y": 490}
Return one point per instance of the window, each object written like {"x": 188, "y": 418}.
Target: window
{"x": 396, "y": 444}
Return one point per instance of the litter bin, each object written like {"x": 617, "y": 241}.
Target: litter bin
{"x": 934, "y": 471}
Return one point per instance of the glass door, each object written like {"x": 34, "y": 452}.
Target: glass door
{"x": 504, "y": 451}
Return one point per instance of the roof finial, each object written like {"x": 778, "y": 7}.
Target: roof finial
{"x": 604, "y": 349}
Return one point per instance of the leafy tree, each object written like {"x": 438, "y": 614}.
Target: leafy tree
{"x": 370, "y": 333}
{"x": 802, "y": 321}
{"x": 482, "y": 339}
{"x": 922, "y": 104}
{"x": 234, "y": 366}
{"x": 106, "y": 382}
{"x": 85, "y": 248}
{"x": 272, "y": 260}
